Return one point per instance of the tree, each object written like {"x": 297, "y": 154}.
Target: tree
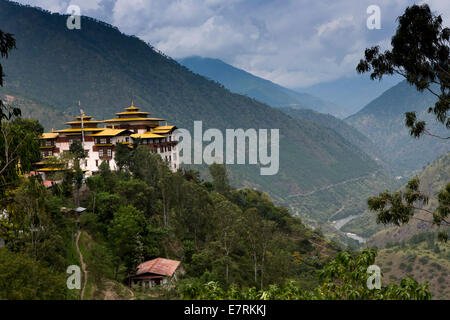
{"x": 22, "y": 278}
{"x": 267, "y": 230}
{"x": 123, "y": 231}
{"x": 122, "y": 156}
{"x": 220, "y": 179}
{"x": 346, "y": 277}
{"x": 77, "y": 150}
{"x": 165, "y": 186}
{"x": 77, "y": 178}
{"x": 252, "y": 221}
{"x": 420, "y": 53}
{"x": 32, "y": 217}
{"x": 99, "y": 263}
{"x": 228, "y": 219}
{"x": 19, "y": 148}
{"x": 144, "y": 165}
{"x": 7, "y": 43}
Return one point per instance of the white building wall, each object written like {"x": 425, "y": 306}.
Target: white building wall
{"x": 93, "y": 161}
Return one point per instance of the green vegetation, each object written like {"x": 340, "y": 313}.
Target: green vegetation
{"x": 343, "y": 278}
{"x": 219, "y": 233}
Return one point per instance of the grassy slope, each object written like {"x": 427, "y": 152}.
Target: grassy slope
{"x": 421, "y": 262}
{"x": 108, "y": 289}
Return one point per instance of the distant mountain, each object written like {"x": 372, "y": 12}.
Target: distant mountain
{"x": 105, "y": 69}
{"x": 242, "y": 82}
{"x": 352, "y": 94}
{"x": 383, "y": 121}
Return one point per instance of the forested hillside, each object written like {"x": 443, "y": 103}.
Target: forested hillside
{"x": 50, "y": 117}
{"x": 348, "y": 132}
{"x": 383, "y": 120}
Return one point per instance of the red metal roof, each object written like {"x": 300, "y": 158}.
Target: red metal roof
{"x": 161, "y": 266}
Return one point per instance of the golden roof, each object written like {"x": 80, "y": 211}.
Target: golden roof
{"x": 50, "y": 169}
{"x": 164, "y": 128}
{"x": 84, "y": 122}
{"x": 108, "y": 133}
{"x": 71, "y": 130}
{"x": 131, "y": 113}
{"x": 49, "y": 135}
{"x": 147, "y": 135}
{"x": 134, "y": 119}
{"x": 132, "y": 107}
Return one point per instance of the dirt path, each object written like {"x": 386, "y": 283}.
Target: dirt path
{"x": 83, "y": 266}
{"x": 330, "y": 186}
{"x": 337, "y": 212}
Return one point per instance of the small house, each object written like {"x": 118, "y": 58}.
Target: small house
{"x": 155, "y": 272}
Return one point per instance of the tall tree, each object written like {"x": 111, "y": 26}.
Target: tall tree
{"x": 124, "y": 230}
{"x": 420, "y": 53}
{"x": 7, "y": 43}
{"x": 19, "y": 148}
{"x": 228, "y": 221}
{"x": 220, "y": 178}
{"x": 77, "y": 150}
{"x": 122, "y": 156}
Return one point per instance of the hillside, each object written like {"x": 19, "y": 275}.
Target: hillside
{"x": 49, "y": 117}
{"x": 242, "y": 82}
{"x": 432, "y": 179}
{"x": 348, "y": 132}
{"x": 383, "y": 120}
{"x": 105, "y": 69}
{"x": 423, "y": 258}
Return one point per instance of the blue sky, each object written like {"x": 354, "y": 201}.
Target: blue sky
{"x": 295, "y": 43}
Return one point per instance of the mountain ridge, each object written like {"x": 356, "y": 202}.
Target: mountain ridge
{"x": 243, "y": 82}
